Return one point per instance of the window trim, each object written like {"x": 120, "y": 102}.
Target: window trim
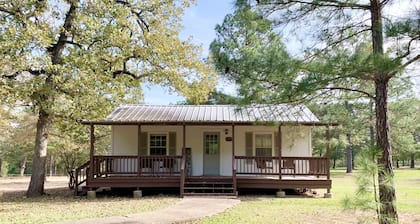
{"x": 149, "y": 135}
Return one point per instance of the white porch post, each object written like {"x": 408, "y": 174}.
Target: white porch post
{"x": 233, "y": 160}
{"x": 139, "y": 165}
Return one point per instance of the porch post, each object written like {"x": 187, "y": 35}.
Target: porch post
{"x": 327, "y": 136}
{"x": 183, "y": 162}
{"x": 139, "y": 165}
{"x": 233, "y": 159}
{"x": 92, "y": 152}
{"x": 279, "y": 141}
{"x": 183, "y": 138}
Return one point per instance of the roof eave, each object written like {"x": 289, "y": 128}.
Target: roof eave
{"x": 107, "y": 122}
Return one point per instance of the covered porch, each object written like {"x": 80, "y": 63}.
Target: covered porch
{"x": 208, "y": 149}
{"x": 174, "y": 171}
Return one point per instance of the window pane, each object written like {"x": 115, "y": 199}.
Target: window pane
{"x": 263, "y": 152}
{"x": 263, "y": 145}
{"x": 158, "y": 144}
{"x": 211, "y": 144}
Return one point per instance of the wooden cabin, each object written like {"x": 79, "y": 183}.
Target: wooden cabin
{"x": 207, "y": 149}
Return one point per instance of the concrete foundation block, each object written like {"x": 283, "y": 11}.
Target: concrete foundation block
{"x": 327, "y": 195}
{"x": 91, "y": 194}
{"x": 281, "y": 194}
{"x": 137, "y": 194}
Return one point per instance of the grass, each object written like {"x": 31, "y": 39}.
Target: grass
{"x": 59, "y": 205}
{"x": 257, "y": 209}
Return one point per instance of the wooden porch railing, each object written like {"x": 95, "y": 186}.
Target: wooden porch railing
{"x": 79, "y": 176}
{"x": 105, "y": 166}
{"x": 268, "y": 165}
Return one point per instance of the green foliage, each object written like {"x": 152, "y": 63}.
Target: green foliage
{"x": 217, "y": 97}
{"x": 71, "y": 60}
{"x": 405, "y": 123}
{"x": 106, "y": 52}
{"x": 366, "y": 195}
{"x": 249, "y": 52}
{"x": 408, "y": 27}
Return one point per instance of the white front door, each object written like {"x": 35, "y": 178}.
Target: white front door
{"x": 211, "y": 154}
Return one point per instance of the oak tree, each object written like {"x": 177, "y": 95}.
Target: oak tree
{"x": 72, "y": 60}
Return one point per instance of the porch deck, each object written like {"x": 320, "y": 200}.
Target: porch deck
{"x": 169, "y": 172}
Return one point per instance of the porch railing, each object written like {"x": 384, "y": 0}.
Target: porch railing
{"x": 79, "y": 176}
{"x": 269, "y": 165}
{"x": 105, "y": 166}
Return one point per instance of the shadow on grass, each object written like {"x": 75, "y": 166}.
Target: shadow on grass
{"x": 262, "y": 194}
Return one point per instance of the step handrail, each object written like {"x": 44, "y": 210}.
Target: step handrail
{"x": 80, "y": 176}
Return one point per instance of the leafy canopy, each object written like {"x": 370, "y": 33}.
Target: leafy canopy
{"x": 87, "y": 56}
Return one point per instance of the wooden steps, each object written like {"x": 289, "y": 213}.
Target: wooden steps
{"x": 207, "y": 186}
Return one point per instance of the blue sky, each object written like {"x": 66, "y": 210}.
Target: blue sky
{"x": 199, "y": 21}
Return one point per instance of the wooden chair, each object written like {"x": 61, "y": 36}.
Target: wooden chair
{"x": 264, "y": 164}
{"x": 289, "y": 164}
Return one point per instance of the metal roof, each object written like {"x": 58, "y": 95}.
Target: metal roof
{"x": 281, "y": 113}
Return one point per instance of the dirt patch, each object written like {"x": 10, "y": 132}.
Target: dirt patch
{"x": 17, "y": 186}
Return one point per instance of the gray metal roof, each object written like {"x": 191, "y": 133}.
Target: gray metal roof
{"x": 282, "y": 113}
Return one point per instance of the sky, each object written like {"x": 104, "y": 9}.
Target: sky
{"x": 199, "y": 22}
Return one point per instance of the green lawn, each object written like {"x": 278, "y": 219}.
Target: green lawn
{"x": 256, "y": 209}
{"x": 59, "y": 205}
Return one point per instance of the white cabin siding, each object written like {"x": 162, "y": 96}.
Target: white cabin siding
{"x": 296, "y": 141}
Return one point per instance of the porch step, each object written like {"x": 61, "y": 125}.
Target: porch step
{"x": 211, "y": 187}
{"x": 211, "y": 194}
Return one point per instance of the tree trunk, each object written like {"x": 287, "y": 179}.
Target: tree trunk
{"x": 334, "y": 162}
{"x": 412, "y": 161}
{"x": 371, "y": 126}
{"x": 23, "y": 166}
{"x": 36, "y": 186}
{"x": 397, "y": 163}
{"x": 349, "y": 154}
{"x": 388, "y": 210}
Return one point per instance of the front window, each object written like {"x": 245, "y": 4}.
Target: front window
{"x": 158, "y": 144}
{"x": 263, "y": 145}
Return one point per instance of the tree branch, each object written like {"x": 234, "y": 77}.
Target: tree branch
{"x": 349, "y": 89}
{"x": 57, "y": 49}
{"x": 141, "y": 22}
{"x": 320, "y": 3}
{"x": 74, "y": 43}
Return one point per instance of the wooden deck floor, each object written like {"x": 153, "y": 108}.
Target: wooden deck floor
{"x": 243, "y": 181}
